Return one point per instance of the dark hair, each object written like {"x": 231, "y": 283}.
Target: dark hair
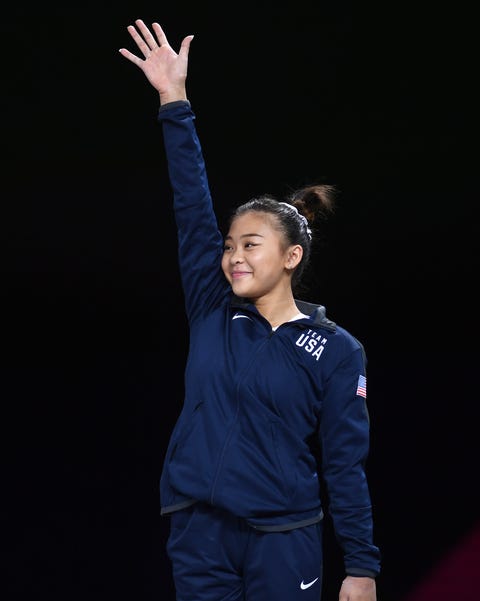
{"x": 294, "y": 217}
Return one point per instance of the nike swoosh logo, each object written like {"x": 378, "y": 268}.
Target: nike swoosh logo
{"x": 305, "y": 585}
{"x": 238, "y": 316}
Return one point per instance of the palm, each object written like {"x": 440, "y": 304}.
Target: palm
{"x": 162, "y": 66}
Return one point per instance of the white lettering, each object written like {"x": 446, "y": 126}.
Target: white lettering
{"x": 310, "y": 342}
{"x": 301, "y": 341}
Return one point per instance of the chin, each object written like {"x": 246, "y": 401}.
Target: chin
{"x": 241, "y": 291}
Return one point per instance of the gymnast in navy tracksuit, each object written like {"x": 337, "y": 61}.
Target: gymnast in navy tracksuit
{"x": 275, "y": 392}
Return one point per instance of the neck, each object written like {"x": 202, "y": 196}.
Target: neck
{"x": 279, "y": 312}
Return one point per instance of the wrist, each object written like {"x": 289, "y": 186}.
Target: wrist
{"x": 172, "y": 96}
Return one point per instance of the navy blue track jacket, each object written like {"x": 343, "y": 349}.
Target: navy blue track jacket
{"x": 259, "y": 402}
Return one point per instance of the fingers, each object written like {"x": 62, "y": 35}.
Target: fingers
{"x": 147, "y": 36}
{"x": 145, "y": 42}
{"x": 144, "y": 49}
{"x": 161, "y": 37}
{"x": 131, "y": 57}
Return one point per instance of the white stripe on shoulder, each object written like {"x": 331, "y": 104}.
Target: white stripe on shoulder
{"x": 240, "y": 315}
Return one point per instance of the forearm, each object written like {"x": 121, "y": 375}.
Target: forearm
{"x": 200, "y": 242}
{"x": 344, "y": 435}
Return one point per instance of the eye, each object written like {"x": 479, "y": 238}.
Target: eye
{"x": 226, "y": 248}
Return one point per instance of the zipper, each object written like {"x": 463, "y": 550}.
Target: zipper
{"x": 232, "y": 427}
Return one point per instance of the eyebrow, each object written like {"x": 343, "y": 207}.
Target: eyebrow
{"x": 245, "y": 236}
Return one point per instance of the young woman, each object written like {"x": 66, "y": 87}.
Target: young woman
{"x": 274, "y": 391}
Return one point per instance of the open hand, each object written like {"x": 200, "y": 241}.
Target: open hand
{"x": 164, "y": 68}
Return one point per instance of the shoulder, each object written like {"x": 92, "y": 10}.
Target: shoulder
{"x": 339, "y": 337}
{"x": 350, "y": 341}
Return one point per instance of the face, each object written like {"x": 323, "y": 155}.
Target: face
{"x": 256, "y": 261}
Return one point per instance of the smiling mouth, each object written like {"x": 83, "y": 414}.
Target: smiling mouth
{"x": 239, "y": 274}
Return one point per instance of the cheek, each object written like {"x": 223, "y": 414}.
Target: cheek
{"x": 225, "y": 265}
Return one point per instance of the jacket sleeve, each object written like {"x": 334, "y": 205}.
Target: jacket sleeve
{"x": 344, "y": 439}
{"x": 200, "y": 243}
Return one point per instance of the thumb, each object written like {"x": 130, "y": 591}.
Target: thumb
{"x": 185, "y": 46}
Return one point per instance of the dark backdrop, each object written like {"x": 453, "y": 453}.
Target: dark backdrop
{"x": 377, "y": 100}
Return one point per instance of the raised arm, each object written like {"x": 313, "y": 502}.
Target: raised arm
{"x": 163, "y": 67}
{"x": 200, "y": 243}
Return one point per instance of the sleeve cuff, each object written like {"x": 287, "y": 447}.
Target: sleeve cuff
{"x": 172, "y": 105}
{"x": 359, "y": 573}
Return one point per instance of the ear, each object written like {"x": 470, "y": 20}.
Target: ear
{"x": 294, "y": 256}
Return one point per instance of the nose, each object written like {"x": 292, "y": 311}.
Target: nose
{"x": 236, "y": 257}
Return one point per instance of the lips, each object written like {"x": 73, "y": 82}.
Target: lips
{"x": 239, "y": 274}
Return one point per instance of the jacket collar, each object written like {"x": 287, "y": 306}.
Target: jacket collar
{"x": 316, "y": 312}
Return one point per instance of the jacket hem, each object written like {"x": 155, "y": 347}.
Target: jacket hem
{"x": 289, "y": 526}
{"x": 177, "y": 506}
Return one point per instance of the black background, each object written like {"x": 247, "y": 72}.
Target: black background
{"x": 377, "y": 100}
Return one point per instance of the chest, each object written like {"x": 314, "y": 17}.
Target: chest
{"x": 243, "y": 361}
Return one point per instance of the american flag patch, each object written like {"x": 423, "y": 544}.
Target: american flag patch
{"x": 362, "y": 386}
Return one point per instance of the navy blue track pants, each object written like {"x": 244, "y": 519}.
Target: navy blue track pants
{"x": 218, "y": 557}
